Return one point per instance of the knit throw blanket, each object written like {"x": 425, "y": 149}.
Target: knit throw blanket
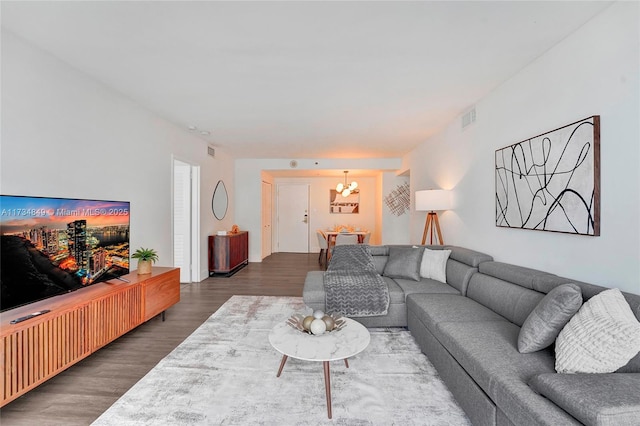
{"x": 352, "y": 285}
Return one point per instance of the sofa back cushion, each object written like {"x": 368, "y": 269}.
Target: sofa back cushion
{"x": 533, "y": 279}
{"x": 590, "y": 290}
{"x": 514, "y": 291}
{"x": 380, "y": 255}
{"x": 467, "y": 256}
{"x": 459, "y": 274}
{"x": 510, "y": 300}
{"x": 461, "y": 265}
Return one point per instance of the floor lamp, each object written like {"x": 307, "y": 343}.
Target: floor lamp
{"x": 431, "y": 200}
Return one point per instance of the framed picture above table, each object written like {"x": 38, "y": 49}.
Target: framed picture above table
{"x": 344, "y": 205}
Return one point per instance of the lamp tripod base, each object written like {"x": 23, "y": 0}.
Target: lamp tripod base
{"x": 430, "y": 223}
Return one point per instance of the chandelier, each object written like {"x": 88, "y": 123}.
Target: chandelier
{"x": 345, "y": 189}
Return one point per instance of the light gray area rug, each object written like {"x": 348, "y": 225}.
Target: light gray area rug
{"x": 225, "y": 374}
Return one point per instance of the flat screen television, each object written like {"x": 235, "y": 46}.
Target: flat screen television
{"x": 51, "y": 246}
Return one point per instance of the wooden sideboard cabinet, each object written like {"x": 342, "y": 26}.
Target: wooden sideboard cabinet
{"x": 78, "y": 324}
{"x": 228, "y": 253}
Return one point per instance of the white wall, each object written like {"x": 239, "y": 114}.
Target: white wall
{"x": 593, "y": 72}
{"x": 249, "y": 175}
{"x": 66, "y": 135}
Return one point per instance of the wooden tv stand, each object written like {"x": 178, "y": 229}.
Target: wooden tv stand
{"x": 78, "y": 324}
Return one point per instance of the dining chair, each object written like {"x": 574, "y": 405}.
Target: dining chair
{"x": 343, "y": 239}
{"x": 324, "y": 247}
{"x": 366, "y": 238}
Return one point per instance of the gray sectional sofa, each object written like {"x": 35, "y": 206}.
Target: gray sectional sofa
{"x": 468, "y": 327}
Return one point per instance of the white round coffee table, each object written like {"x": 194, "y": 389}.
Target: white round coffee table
{"x": 352, "y": 339}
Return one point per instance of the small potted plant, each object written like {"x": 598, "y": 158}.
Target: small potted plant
{"x": 145, "y": 258}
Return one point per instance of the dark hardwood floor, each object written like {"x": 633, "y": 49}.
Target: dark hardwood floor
{"x": 80, "y": 394}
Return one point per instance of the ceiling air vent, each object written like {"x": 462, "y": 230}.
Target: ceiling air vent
{"x": 211, "y": 151}
{"x": 469, "y": 117}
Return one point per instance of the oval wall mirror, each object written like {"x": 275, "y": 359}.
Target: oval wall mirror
{"x": 220, "y": 201}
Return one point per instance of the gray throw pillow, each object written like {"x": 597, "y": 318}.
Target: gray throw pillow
{"x": 404, "y": 262}
{"x": 548, "y": 318}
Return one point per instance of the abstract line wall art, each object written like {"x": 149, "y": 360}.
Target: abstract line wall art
{"x": 551, "y": 182}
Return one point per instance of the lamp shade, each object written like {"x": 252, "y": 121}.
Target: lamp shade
{"x": 433, "y": 199}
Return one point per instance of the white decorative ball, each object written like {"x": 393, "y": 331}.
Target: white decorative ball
{"x": 318, "y": 314}
{"x": 318, "y": 326}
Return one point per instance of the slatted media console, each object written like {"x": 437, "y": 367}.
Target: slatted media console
{"x": 79, "y": 324}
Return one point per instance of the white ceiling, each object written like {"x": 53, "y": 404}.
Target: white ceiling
{"x": 301, "y": 79}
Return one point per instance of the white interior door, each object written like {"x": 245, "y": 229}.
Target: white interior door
{"x": 181, "y": 220}
{"x": 186, "y": 220}
{"x": 293, "y": 218}
{"x": 267, "y": 237}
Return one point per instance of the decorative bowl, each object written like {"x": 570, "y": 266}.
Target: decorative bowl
{"x": 332, "y": 322}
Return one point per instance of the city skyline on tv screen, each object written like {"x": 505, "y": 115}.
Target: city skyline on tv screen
{"x": 56, "y": 245}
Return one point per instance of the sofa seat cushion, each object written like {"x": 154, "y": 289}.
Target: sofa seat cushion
{"x": 484, "y": 344}
{"x": 487, "y": 350}
{"x": 425, "y": 285}
{"x": 314, "y": 295}
{"x": 523, "y": 406}
{"x": 431, "y": 309}
{"x": 594, "y": 399}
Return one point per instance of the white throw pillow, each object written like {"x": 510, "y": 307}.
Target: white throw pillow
{"x": 434, "y": 264}
{"x": 602, "y": 337}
